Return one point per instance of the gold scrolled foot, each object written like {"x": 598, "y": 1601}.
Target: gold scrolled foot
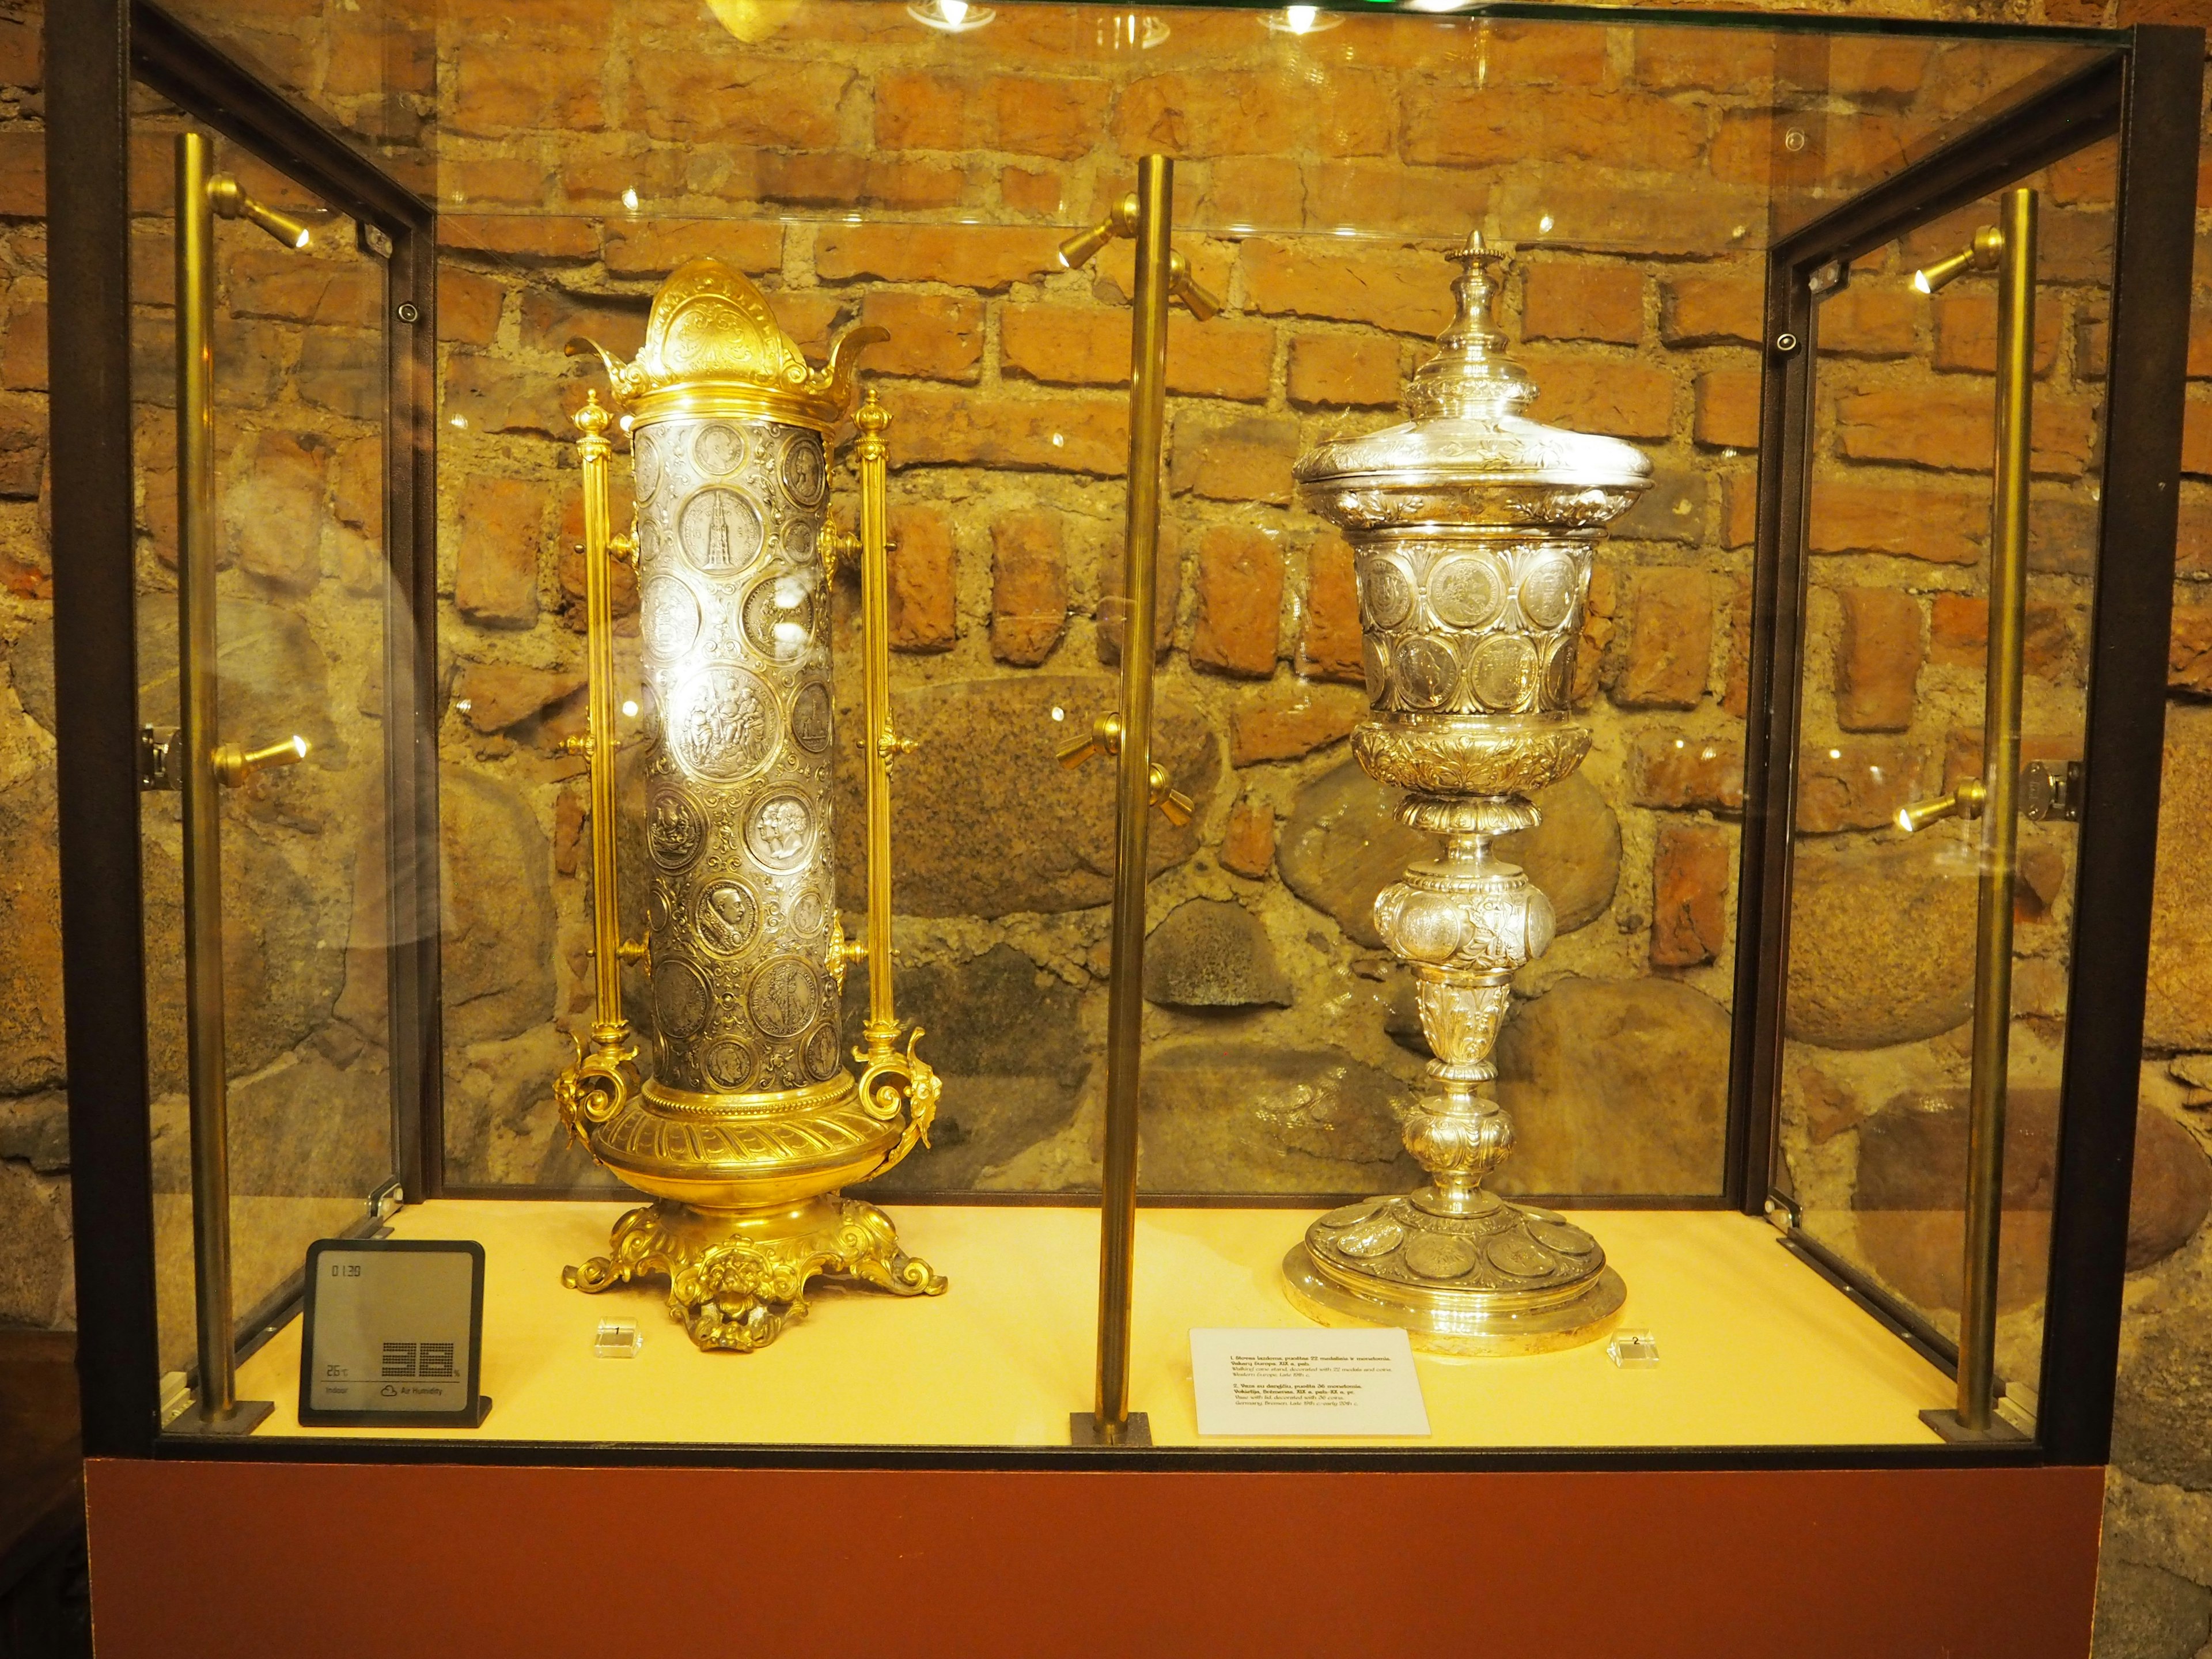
{"x": 1501, "y": 1279}
{"x": 737, "y": 1278}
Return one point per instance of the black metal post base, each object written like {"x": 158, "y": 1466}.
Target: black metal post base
{"x": 1136, "y": 1433}
{"x": 245, "y": 1417}
{"x": 1946, "y": 1423}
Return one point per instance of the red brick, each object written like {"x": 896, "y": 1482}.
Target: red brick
{"x": 1116, "y": 269}
{"x": 1059, "y": 118}
{"x": 284, "y": 282}
{"x": 651, "y": 248}
{"x": 20, "y": 45}
{"x": 807, "y": 314}
{"x": 468, "y": 306}
{"x": 1750, "y": 147}
{"x": 1228, "y": 357}
{"x": 1942, "y": 526}
{"x": 1077, "y": 345}
{"x": 1066, "y": 433}
{"x": 520, "y": 236}
{"x": 1345, "y": 370}
{"x": 1225, "y": 113}
{"x": 1697, "y": 60}
{"x": 1952, "y": 425}
{"x": 2189, "y": 651}
{"x": 721, "y": 97}
{"x": 1583, "y": 302}
{"x": 1593, "y": 644}
{"x": 1871, "y": 322}
{"x": 1247, "y": 845}
{"x": 493, "y": 696}
{"x": 1246, "y": 459}
{"x": 1625, "y": 399}
{"x": 1728, "y": 408}
{"x": 1055, "y": 118}
{"x": 1167, "y": 595}
{"x": 1285, "y": 721}
{"x": 1689, "y": 894}
{"x": 502, "y": 533}
{"x": 1029, "y": 587}
{"x": 485, "y": 396}
{"x": 23, "y": 174}
{"x": 1266, "y": 192}
{"x": 984, "y": 258}
{"x": 357, "y": 483}
{"x": 891, "y": 183}
{"x": 1330, "y": 640}
{"x": 1388, "y": 198}
{"x": 1856, "y": 784}
{"x": 569, "y": 569}
{"x": 1878, "y": 656}
{"x": 1463, "y": 123}
{"x": 503, "y": 86}
{"x": 1958, "y": 636}
{"x": 551, "y": 317}
{"x": 24, "y": 362}
{"x": 2087, "y": 177}
{"x": 1966, "y": 333}
{"x": 273, "y": 507}
{"x": 497, "y": 181}
{"x": 2196, "y": 438}
{"x": 935, "y": 336}
{"x": 1044, "y": 194}
{"x": 1670, "y": 640}
{"x": 1738, "y": 509}
{"x": 921, "y": 593}
{"x": 1670, "y": 768}
{"x": 1240, "y": 601}
{"x": 1405, "y": 290}
{"x": 1712, "y": 310}
{"x": 1735, "y": 686}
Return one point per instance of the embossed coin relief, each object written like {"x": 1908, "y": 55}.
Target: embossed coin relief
{"x": 645, "y": 465}
{"x": 809, "y": 914}
{"x": 1387, "y": 592}
{"x": 779, "y": 613}
{"x": 675, "y": 828}
{"x": 730, "y": 1064}
{"x": 722, "y": 724}
{"x": 1547, "y": 589}
{"x": 1559, "y": 672}
{"x": 810, "y": 717}
{"x": 721, "y": 530}
{"x": 1375, "y": 668}
{"x": 822, "y": 1054}
{"x": 780, "y": 831}
{"x": 804, "y": 476}
{"x": 1504, "y": 671}
{"x": 1427, "y": 672}
{"x": 670, "y": 618}
{"x": 680, "y": 998}
{"x": 728, "y": 917}
{"x": 718, "y": 448}
{"x": 801, "y": 539}
{"x": 783, "y": 996}
{"x": 1467, "y": 590}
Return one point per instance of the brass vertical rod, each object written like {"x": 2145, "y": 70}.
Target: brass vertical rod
{"x": 873, "y": 454}
{"x": 595, "y": 453}
{"x": 202, "y": 803}
{"x": 2000, "y": 822}
{"x": 1148, "y": 355}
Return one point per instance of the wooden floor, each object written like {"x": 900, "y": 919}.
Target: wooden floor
{"x": 1755, "y": 1348}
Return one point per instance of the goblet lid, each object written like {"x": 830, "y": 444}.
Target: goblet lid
{"x": 1469, "y": 454}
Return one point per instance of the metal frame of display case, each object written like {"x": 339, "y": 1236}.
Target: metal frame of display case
{"x": 2145, "y": 91}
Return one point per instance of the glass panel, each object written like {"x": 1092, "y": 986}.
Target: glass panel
{"x": 299, "y": 425}
{"x": 1883, "y": 931}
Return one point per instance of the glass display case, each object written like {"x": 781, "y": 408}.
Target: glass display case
{"x": 660, "y": 506}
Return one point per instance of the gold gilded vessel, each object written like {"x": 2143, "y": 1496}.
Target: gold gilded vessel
{"x": 750, "y": 1124}
{"x": 1472, "y": 527}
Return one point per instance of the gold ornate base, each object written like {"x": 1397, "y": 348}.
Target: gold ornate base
{"x": 736, "y": 1278}
{"x": 1500, "y": 1279}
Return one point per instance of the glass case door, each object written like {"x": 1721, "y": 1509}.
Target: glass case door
{"x": 261, "y": 335}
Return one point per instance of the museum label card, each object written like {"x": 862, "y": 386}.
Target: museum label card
{"x": 1307, "y": 1382}
{"x": 393, "y": 1331}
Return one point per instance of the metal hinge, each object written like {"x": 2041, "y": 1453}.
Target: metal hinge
{"x": 159, "y": 760}
{"x": 2051, "y": 792}
{"x": 384, "y": 1203}
{"x": 1783, "y": 1213}
{"x": 372, "y": 239}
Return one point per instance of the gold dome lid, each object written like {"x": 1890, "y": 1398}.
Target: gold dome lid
{"x": 712, "y": 347}
{"x": 1469, "y": 454}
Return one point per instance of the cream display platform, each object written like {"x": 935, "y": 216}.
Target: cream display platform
{"x": 1755, "y": 1349}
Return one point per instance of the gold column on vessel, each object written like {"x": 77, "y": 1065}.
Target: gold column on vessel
{"x": 750, "y": 1123}
{"x": 1472, "y": 527}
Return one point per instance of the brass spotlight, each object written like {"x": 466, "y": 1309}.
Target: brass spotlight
{"x": 1980, "y": 254}
{"x": 232, "y": 203}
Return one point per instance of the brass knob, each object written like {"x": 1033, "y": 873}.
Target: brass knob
{"x": 843, "y": 952}
{"x": 634, "y": 950}
{"x": 1963, "y": 802}
{"x": 234, "y": 766}
{"x": 890, "y": 745}
{"x": 1104, "y": 738}
{"x": 834, "y": 545}
{"x": 1175, "y": 806}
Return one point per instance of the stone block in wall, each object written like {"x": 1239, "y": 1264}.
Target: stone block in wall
{"x": 484, "y": 395}
{"x": 651, "y": 247}
{"x": 1672, "y": 510}
{"x": 493, "y": 696}
{"x": 1461, "y": 123}
{"x": 525, "y": 237}
{"x": 495, "y": 949}
{"x": 343, "y": 370}
{"x": 23, "y": 358}
{"x": 275, "y": 506}
{"x": 1290, "y": 718}
{"x": 1690, "y": 866}
{"x": 1943, "y": 527}
{"x": 1966, "y": 333}
{"x": 1958, "y": 636}
{"x": 22, "y": 174}
{"x": 1329, "y": 642}
{"x": 1029, "y": 587}
{"x": 938, "y": 337}
{"x": 2189, "y": 651}
{"x": 1345, "y": 371}
{"x": 1728, "y": 409}
{"x": 2178, "y": 1008}
{"x": 1697, "y": 311}
{"x": 923, "y": 562}
{"x": 469, "y": 306}
{"x": 502, "y": 536}
{"x": 1859, "y": 783}
{"x": 1563, "y": 301}
{"x": 1668, "y": 658}
{"x": 1593, "y": 394}
{"x": 1055, "y": 117}
{"x": 1239, "y": 585}
{"x": 1882, "y": 943}
{"x": 1009, "y": 829}
{"x": 1615, "y": 1086}
{"x": 550, "y": 317}
{"x": 682, "y": 94}
{"x": 1211, "y": 953}
{"x": 1879, "y": 652}
{"x": 988, "y": 259}
{"x": 1405, "y": 290}
{"x": 31, "y": 1049}
{"x": 1952, "y": 425}
{"x": 1871, "y": 321}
